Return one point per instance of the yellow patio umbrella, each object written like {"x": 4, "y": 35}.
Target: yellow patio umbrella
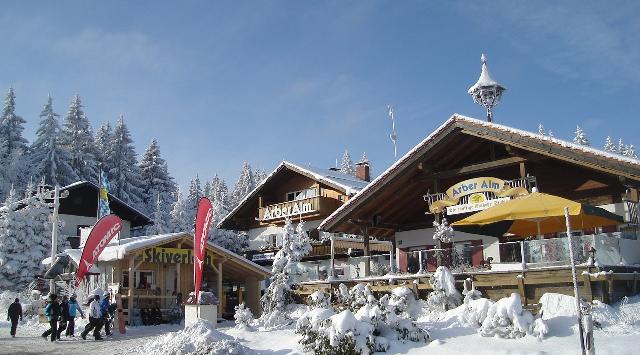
{"x": 539, "y": 213}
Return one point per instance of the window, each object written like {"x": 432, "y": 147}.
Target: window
{"x": 301, "y": 195}
{"x": 141, "y": 278}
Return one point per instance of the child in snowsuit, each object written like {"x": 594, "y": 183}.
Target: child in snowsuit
{"x": 14, "y": 312}
{"x": 104, "y": 310}
{"x": 64, "y": 315}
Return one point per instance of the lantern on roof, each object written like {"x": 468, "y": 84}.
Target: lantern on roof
{"x": 486, "y": 91}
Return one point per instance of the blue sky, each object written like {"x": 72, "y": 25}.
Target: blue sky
{"x": 218, "y": 83}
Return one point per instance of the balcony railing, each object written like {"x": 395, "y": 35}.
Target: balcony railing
{"x": 309, "y": 206}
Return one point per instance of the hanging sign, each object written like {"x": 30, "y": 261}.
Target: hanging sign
{"x": 479, "y": 191}
{"x": 102, "y": 232}
{"x": 204, "y": 217}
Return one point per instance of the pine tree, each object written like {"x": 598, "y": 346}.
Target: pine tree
{"x": 124, "y": 174}
{"x": 77, "y": 139}
{"x": 104, "y": 146}
{"x": 622, "y": 149}
{"x": 155, "y": 178}
{"x": 609, "y": 146}
{"x": 49, "y": 159}
{"x": 295, "y": 245}
{"x": 245, "y": 184}
{"x": 193, "y": 196}
{"x": 541, "y": 130}
{"x": 161, "y": 219}
{"x": 631, "y": 152}
{"x": 180, "y": 220}
{"x": 24, "y": 242}
{"x": 258, "y": 176}
{"x": 581, "y": 137}
{"x": 14, "y": 151}
{"x": 12, "y": 125}
{"x": 346, "y": 165}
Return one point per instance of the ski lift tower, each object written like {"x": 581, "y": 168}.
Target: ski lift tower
{"x": 486, "y": 91}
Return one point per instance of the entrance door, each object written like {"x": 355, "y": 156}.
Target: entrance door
{"x": 170, "y": 281}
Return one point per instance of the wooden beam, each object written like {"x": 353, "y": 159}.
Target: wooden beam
{"x": 131, "y": 289}
{"x": 475, "y": 168}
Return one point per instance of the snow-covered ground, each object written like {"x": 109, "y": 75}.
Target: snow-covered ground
{"x": 450, "y": 333}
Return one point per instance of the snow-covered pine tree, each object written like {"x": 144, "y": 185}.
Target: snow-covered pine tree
{"x": 124, "y": 175}
{"x": 180, "y": 221}
{"x": 14, "y": 165}
{"x": 609, "y": 146}
{"x": 104, "y": 146}
{"x": 631, "y": 152}
{"x": 220, "y": 194}
{"x": 49, "y": 159}
{"x": 77, "y": 138}
{"x": 258, "y": 176}
{"x": 24, "y": 242}
{"x": 193, "y": 196}
{"x": 12, "y": 125}
{"x": 295, "y": 245}
{"x": 161, "y": 219}
{"x": 245, "y": 184}
{"x": 622, "y": 148}
{"x": 346, "y": 164}
{"x": 580, "y": 137}
{"x": 155, "y": 179}
{"x": 541, "y": 130}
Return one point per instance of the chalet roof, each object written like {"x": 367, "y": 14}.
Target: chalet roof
{"x": 347, "y": 184}
{"x": 544, "y": 145}
{"x": 83, "y": 201}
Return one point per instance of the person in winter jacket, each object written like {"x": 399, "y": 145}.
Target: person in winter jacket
{"x": 64, "y": 316}
{"x": 73, "y": 307}
{"x": 95, "y": 319}
{"x": 104, "y": 309}
{"x": 52, "y": 311}
{"x": 13, "y": 314}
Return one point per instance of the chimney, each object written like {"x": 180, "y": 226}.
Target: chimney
{"x": 362, "y": 170}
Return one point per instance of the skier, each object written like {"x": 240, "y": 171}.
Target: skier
{"x": 64, "y": 316}
{"x": 105, "y": 305}
{"x": 95, "y": 319}
{"x": 73, "y": 308}
{"x": 14, "y": 312}
{"x": 52, "y": 311}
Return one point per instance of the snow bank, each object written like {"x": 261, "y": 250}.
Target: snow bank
{"x": 557, "y": 305}
{"x": 200, "y": 338}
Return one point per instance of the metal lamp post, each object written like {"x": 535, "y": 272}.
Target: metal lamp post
{"x": 486, "y": 91}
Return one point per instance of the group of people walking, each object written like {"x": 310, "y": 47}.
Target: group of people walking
{"x": 61, "y": 316}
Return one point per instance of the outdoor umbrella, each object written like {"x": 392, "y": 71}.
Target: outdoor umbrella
{"x": 537, "y": 214}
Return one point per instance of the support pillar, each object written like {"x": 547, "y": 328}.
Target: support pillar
{"x": 220, "y": 295}
{"x": 131, "y": 290}
{"x": 367, "y": 257}
{"x": 332, "y": 275}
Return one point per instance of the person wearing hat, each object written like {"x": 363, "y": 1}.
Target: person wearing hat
{"x": 95, "y": 319}
{"x": 13, "y": 314}
{"x": 71, "y": 321}
{"x": 52, "y": 311}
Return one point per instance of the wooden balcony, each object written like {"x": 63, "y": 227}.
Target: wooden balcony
{"x": 305, "y": 208}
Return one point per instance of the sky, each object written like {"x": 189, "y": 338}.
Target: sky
{"x": 219, "y": 83}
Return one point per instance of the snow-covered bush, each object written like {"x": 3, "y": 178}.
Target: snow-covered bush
{"x": 507, "y": 319}
{"x": 443, "y": 231}
{"x": 295, "y": 245}
{"x": 243, "y": 317}
{"x": 444, "y": 295}
{"x": 319, "y": 299}
{"x": 368, "y": 325}
{"x": 475, "y": 311}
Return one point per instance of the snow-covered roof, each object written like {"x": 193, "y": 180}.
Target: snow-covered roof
{"x": 346, "y": 183}
{"x": 117, "y": 250}
{"x": 578, "y": 152}
{"x": 74, "y": 255}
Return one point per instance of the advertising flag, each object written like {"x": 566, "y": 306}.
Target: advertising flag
{"x": 204, "y": 217}
{"x": 101, "y": 233}
{"x": 103, "y": 198}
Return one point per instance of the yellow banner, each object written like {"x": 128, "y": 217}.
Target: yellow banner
{"x": 173, "y": 256}
{"x": 474, "y": 185}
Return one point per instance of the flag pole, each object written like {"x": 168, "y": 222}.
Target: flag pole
{"x": 575, "y": 279}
